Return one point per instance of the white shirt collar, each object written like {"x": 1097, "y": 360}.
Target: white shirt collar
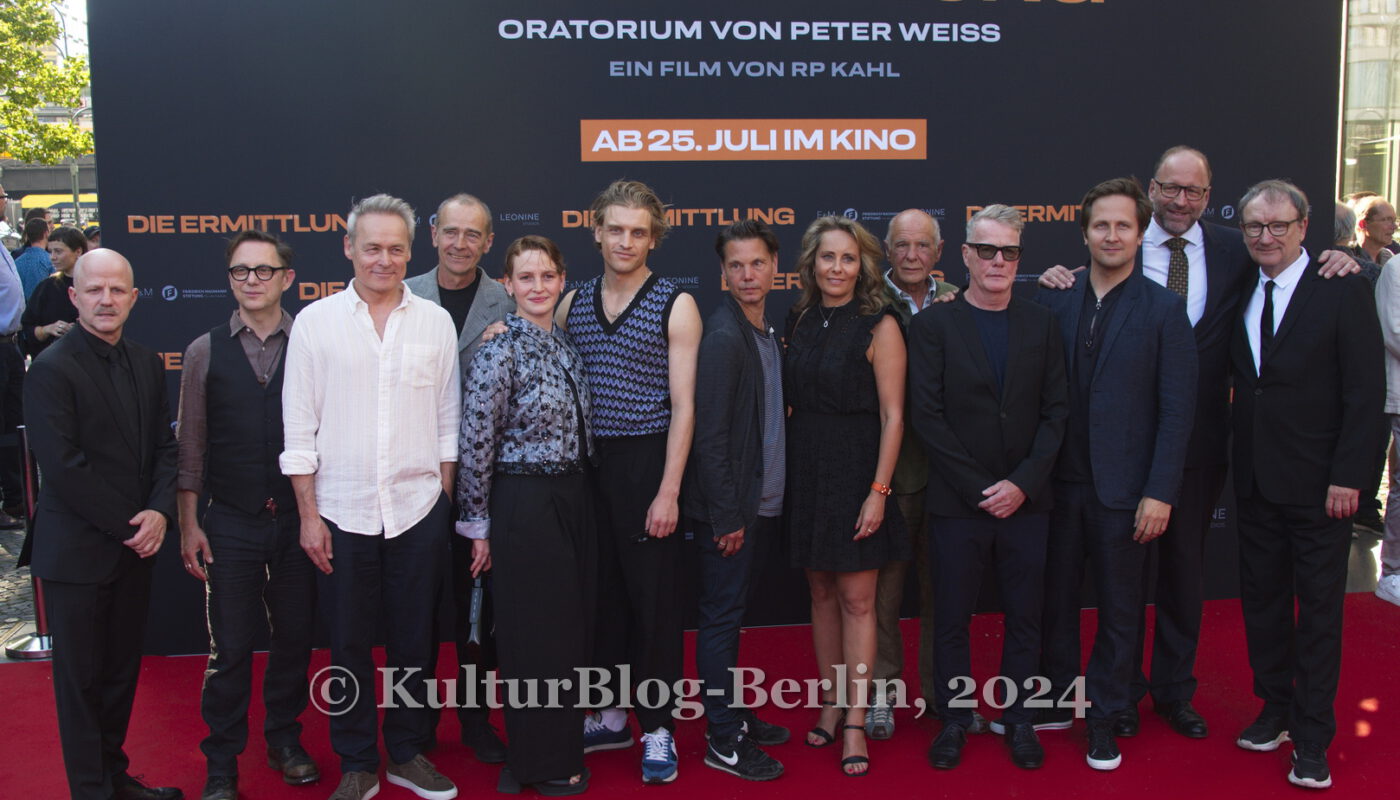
{"x": 1157, "y": 236}
{"x": 1290, "y": 274}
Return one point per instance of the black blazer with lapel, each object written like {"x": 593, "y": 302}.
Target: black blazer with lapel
{"x": 1143, "y": 391}
{"x": 1312, "y": 417}
{"x": 724, "y": 474}
{"x": 97, "y": 471}
{"x": 974, "y": 437}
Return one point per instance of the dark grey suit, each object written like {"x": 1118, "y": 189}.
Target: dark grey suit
{"x": 491, "y": 305}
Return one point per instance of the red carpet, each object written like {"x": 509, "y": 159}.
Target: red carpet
{"x": 166, "y": 729}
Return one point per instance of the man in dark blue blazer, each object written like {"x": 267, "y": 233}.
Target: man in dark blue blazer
{"x": 1131, "y": 362}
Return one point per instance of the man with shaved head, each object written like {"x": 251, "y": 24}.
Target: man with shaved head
{"x": 913, "y": 246}
{"x": 99, "y": 426}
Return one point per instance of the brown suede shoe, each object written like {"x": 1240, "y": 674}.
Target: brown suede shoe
{"x": 356, "y": 786}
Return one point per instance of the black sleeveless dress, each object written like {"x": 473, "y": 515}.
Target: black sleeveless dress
{"x": 833, "y": 442}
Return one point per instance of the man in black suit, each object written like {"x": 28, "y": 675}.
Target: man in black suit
{"x": 1206, "y": 264}
{"x": 1132, "y": 377}
{"x": 734, "y": 487}
{"x": 99, "y": 426}
{"x": 987, "y": 399}
{"x": 1309, "y": 390}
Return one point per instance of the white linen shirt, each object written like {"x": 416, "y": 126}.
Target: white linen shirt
{"x": 372, "y": 420}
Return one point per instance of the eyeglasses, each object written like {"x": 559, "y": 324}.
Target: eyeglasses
{"x": 263, "y": 271}
{"x": 1171, "y": 190}
{"x": 1256, "y": 229}
{"x": 987, "y": 252}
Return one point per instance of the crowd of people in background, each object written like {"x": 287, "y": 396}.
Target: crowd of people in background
{"x": 529, "y": 452}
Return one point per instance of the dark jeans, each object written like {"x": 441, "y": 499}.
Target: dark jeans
{"x": 1081, "y": 527}
{"x": 259, "y": 577}
{"x": 399, "y": 577}
{"x": 1294, "y": 557}
{"x": 724, "y": 588}
{"x": 11, "y": 415}
{"x": 960, "y": 551}
{"x": 639, "y": 603}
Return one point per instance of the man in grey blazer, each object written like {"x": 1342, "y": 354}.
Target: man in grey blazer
{"x": 461, "y": 232}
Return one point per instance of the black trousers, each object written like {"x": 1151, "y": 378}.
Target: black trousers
{"x": 259, "y": 577}
{"x": 960, "y": 550}
{"x": 399, "y": 577}
{"x": 639, "y": 604}
{"x": 1083, "y": 528}
{"x": 1177, "y": 558}
{"x": 11, "y": 415}
{"x": 544, "y": 560}
{"x": 97, "y": 633}
{"x": 1294, "y": 555}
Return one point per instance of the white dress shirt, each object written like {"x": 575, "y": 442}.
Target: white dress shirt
{"x": 372, "y": 420}
{"x": 1156, "y": 257}
{"x": 1284, "y": 285}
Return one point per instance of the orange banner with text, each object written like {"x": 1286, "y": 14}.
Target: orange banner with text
{"x": 752, "y": 139}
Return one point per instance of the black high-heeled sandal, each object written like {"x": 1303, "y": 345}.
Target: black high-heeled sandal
{"x": 850, "y": 760}
{"x": 826, "y": 736}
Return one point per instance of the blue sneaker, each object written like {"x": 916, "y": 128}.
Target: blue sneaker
{"x": 597, "y": 736}
{"x": 659, "y": 762}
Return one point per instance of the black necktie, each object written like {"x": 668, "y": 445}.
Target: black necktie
{"x": 1266, "y": 323}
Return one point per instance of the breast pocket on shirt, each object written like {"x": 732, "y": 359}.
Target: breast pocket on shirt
{"x": 420, "y": 366}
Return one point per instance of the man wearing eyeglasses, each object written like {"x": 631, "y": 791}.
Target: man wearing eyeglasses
{"x": 1132, "y": 376}
{"x": 1207, "y": 265}
{"x": 245, "y": 543}
{"x": 987, "y": 399}
{"x": 1308, "y": 362}
{"x": 461, "y": 232}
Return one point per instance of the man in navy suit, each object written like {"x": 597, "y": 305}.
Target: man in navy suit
{"x": 1131, "y": 364}
{"x": 1309, "y": 373}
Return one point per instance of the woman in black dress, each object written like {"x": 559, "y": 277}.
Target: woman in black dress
{"x": 49, "y": 313}
{"x": 526, "y": 503}
{"x": 844, "y": 379}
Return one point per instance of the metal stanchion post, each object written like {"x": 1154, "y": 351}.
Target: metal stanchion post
{"x": 38, "y": 644}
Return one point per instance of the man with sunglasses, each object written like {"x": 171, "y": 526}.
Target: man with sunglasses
{"x": 987, "y": 400}
{"x": 1131, "y": 362}
{"x": 245, "y": 543}
{"x": 1308, "y": 361}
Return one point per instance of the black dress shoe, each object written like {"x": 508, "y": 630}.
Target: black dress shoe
{"x": 946, "y": 750}
{"x": 1126, "y": 724}
{"x": 1026, "y": 751}
{"x": 220, "y": 787}
{"x": 1184, "y": 719}
{"x": 125, "y": 787}
{"x": 483, "y": 741}
{"x": 294, "y": 763}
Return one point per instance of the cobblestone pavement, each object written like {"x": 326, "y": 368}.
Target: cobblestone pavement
{"x": 16, "y": 596}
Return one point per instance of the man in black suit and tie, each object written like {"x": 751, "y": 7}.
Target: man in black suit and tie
{"x": 987, "y": 399}
{"x": 1310, "y": 387}
{"x": 1206, "y": 264}
{"x": 1132, "y": 377}
{"x": 99, "y": 426}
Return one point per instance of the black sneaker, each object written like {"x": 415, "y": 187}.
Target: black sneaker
{"x": 1310, "y": 766}
{"x": 946, "y": 750}
{"x": 1103, "y": 748}
{"x": 1044, "y": 719}
{"x": 1026, "y": 751}
{"x": 764, "y": 733}
{"x": 742, "y": 757}
{"x": 1265, "y": 734}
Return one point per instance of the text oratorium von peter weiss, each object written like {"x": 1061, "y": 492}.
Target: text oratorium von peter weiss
{"x": 752, "y": 139}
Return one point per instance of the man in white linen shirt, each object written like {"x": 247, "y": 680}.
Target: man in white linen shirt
{"x": 371, "y": 407}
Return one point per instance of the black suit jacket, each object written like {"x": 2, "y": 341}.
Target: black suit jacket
{"x": 1313, "y": 416}
{"x": 1143, "y": 389}
{"x": 974, "y": 437}
{"x": 97, "y": 472}
{"x": 724, "y": 474}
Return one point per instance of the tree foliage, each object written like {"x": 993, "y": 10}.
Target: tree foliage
{"x": 28, "y": 82}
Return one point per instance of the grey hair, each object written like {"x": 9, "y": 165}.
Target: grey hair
{"x": 382, "y": 204}
{"x": 464, "y": 199}
{"x": 1345, "y": 227}
{"x": 996, "y": 212}
{"x": 1276, "y": 190}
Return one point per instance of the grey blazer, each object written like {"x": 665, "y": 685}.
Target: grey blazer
{"x": 491, "y": 305}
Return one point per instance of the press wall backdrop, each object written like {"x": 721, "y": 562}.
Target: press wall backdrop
{"x": 215, "y": 117}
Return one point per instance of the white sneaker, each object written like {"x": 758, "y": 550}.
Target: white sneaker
{"x": 1388, "y": 589}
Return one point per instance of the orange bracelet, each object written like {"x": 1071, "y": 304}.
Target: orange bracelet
{"x": 882, "y": 488}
